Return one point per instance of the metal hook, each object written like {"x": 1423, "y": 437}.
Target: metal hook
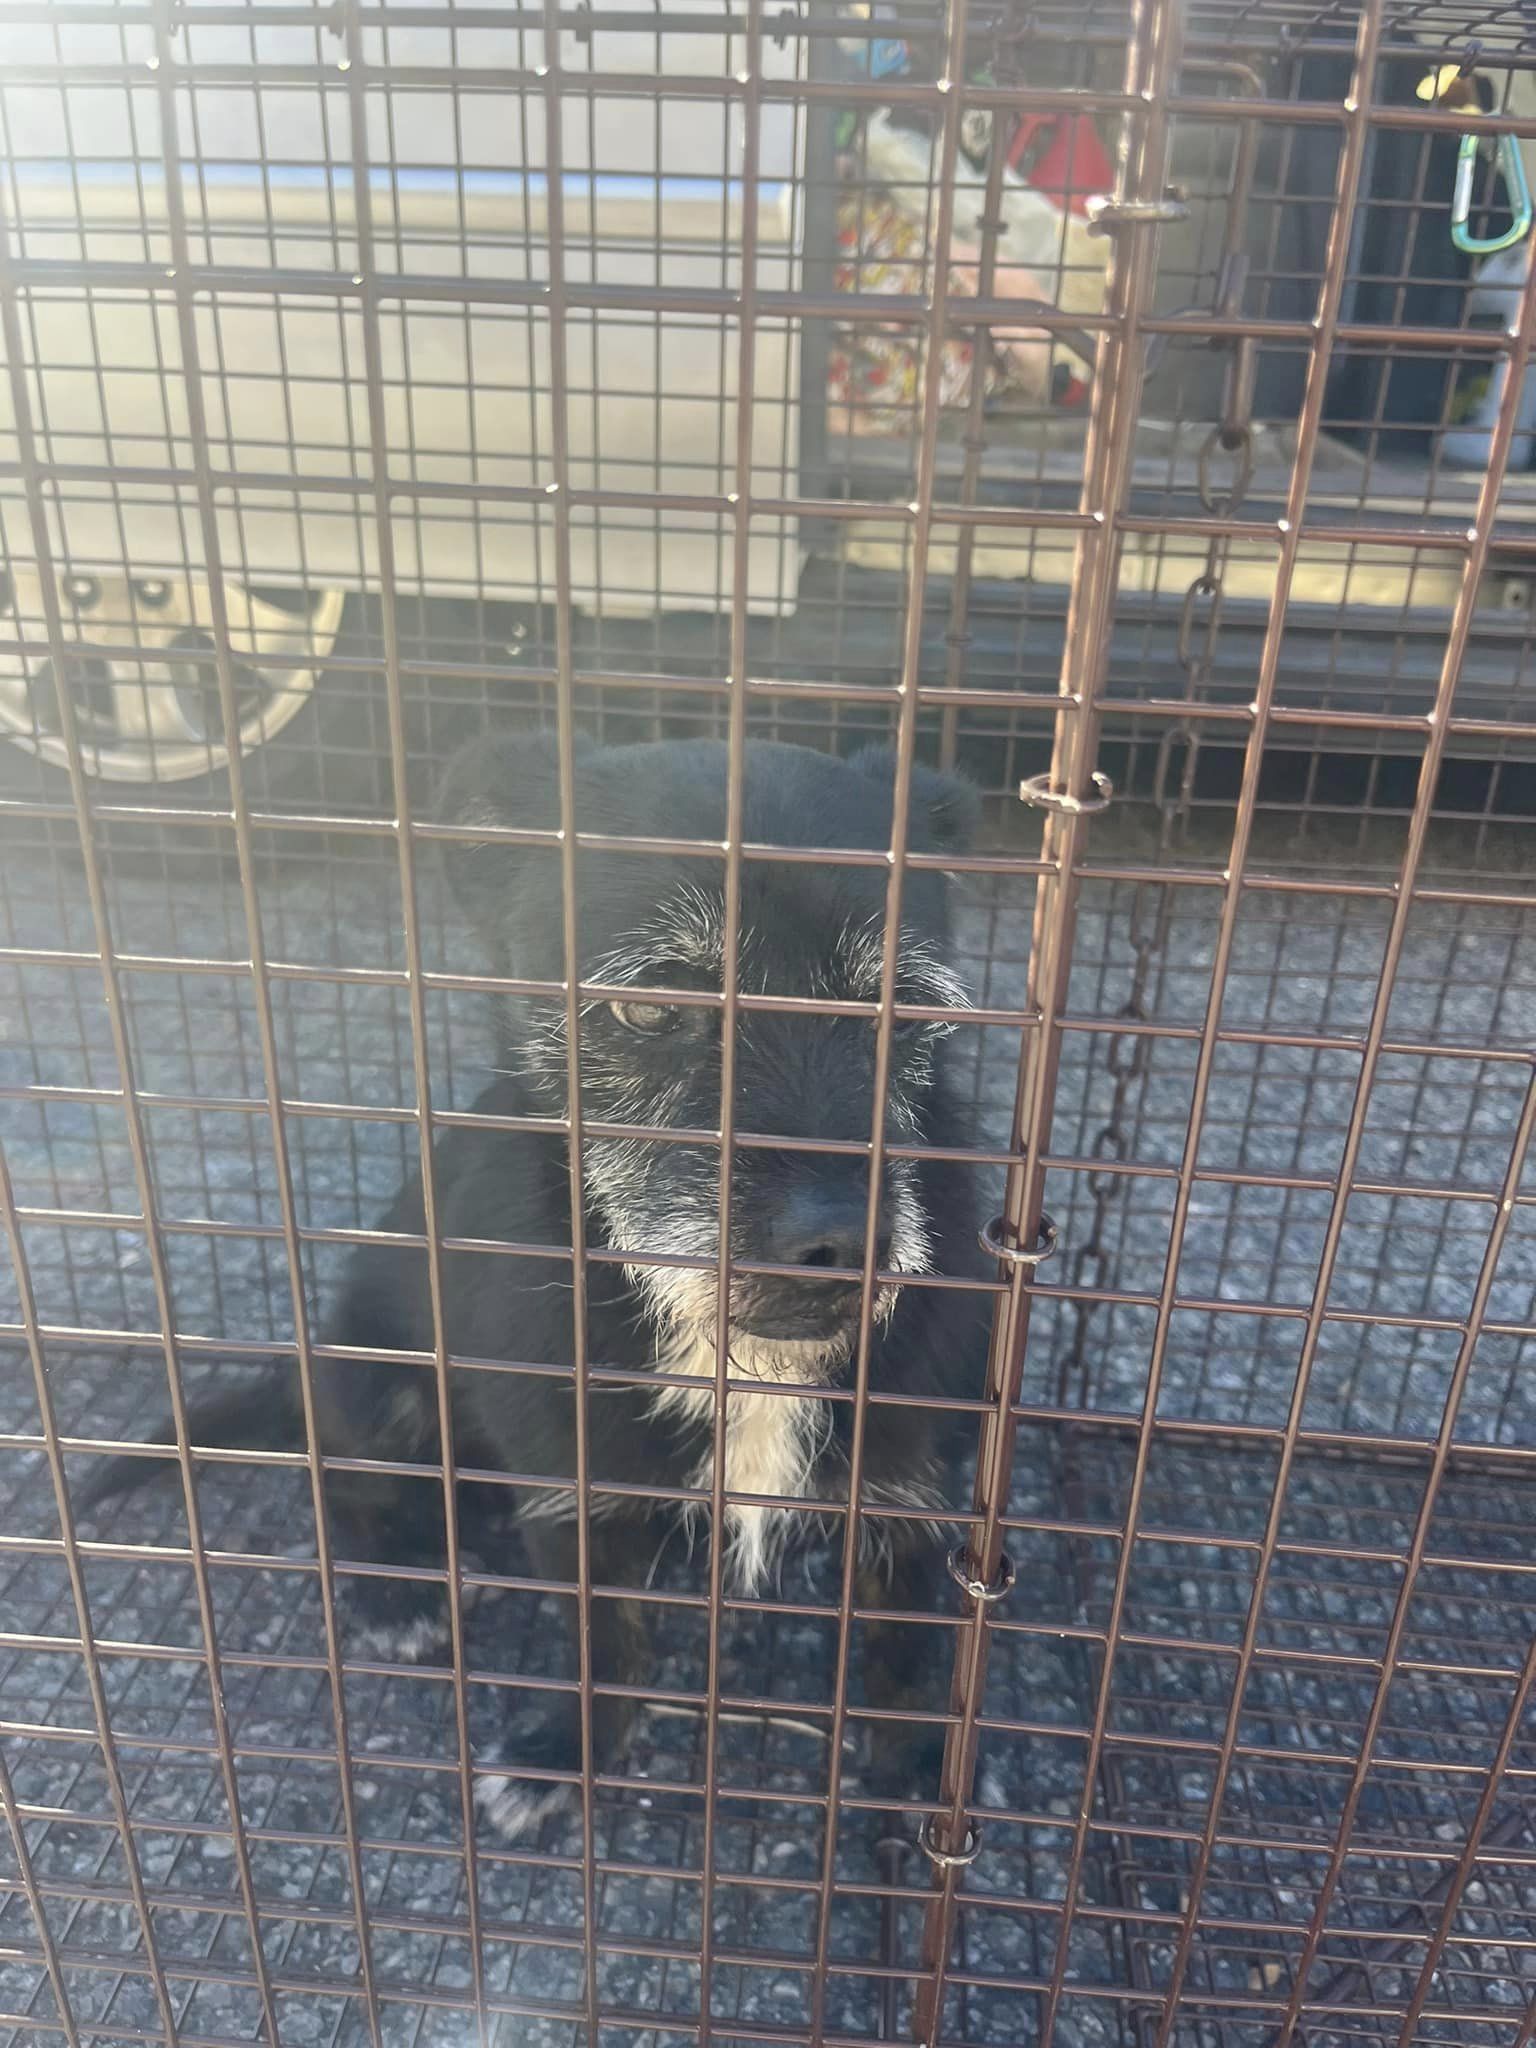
{"x": 1512, "y": 166}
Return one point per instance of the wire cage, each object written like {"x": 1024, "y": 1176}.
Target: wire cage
{"x": 1125, "y": 405}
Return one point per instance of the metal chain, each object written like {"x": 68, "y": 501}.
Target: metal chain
{"x": 1151, "y": 917}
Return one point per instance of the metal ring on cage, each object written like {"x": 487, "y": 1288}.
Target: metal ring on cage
{"x": 1037, "y": 790}
{"x": 963, "y": 1572}
{"x": 991, "y": 1240}
{"x": 949, "y": 1859}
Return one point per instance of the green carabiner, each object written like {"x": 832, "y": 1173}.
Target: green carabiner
{"x": 1513, "y": 168}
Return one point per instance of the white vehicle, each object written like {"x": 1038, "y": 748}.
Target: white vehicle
{"x": 457, "y": 189}
{"x": 201, "y": 302}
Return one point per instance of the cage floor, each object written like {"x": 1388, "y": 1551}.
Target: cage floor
{"x": 402, "y": 1735}
{"x": 1313, "y": 1683}
{"x": 1303, "y": 1712}
{"x": 1440, "y": 1119}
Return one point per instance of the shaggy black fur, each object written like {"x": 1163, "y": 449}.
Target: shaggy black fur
{"x": 649, "y": 922}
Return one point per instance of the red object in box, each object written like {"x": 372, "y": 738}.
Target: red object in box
{"x": 1067, "y": 161}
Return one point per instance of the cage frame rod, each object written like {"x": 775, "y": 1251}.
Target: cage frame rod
{"x": 1152, "y": 53}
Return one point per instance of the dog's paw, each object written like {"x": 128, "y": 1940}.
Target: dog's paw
{"x": 515, "y": 1803}
{"x": 399, "y": 1621}
{"x": 422, "y": 1638}
{"x": 516, "y": 1806}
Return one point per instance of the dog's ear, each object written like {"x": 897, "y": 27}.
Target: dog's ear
{"x": 512, "y": 781}
{"x": 945, "y": 809}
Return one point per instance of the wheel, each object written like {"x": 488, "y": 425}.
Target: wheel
{"x": 153, "y": 717}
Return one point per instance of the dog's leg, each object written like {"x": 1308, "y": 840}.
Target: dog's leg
{"x": 398, "y": 1524}
{"x": 903, "y": 1664}
{"x": 549, "y": 1738}
{"x": 383, "y": 1518}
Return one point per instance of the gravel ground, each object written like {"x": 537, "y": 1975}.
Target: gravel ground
{"x": 1302, "y": 964}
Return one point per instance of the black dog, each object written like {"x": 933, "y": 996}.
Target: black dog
{"x": 652, "y": 923}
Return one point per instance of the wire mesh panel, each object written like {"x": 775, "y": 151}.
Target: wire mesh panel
{"x": 767, "y": 946}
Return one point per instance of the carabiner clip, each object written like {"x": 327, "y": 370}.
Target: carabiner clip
{"x": 1512, "y": 166}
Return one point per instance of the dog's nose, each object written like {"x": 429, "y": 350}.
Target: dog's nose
{"x": 825, "y": 1227}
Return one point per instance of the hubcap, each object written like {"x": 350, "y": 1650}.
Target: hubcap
{"x": 142, "y": 674}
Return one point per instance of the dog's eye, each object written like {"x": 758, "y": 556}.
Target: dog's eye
{"x": 649, "y": 1019}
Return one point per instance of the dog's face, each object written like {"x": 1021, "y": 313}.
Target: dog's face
{"x": 806, "y": 931}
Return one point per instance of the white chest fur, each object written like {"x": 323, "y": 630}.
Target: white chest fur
{"x": 772, "y": 1440}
